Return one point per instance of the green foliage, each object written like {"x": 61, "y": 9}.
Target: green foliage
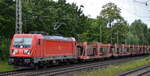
{"x": 140, "y": 31}
{"x": 4, "y": 48}
{"x": 7, "y": 27}
{"x": 7, "y": 18}
{"x": 132, "y": 39}
{"x": 119, "y": 32}
{"x": 56, "y": 18}
{"x": 111, "y": 13}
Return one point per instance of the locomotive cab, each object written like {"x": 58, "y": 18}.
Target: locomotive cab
{"x": 21, "y": 45}
{"x": 23, "y": 48}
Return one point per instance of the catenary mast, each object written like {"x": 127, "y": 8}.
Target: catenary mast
{"x": 18, "y": 29}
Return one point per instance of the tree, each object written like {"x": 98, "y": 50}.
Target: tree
{"x": 56, "y": 18}
{"x": 139, "y": 29}
{"x": 111, "y": 13}
{"x": 120, "y": 30}
{"x": 7, "y": 26}
{"x": 7, "y": 19}
{"x": 102, "y": 29}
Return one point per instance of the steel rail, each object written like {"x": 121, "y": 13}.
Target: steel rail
{"x": 136, "y": 71}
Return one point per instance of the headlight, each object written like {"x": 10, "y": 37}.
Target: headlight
{"x": 14, "y": 51}
{"x": 27, "y": 52}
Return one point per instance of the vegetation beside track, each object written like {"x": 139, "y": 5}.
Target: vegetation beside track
{"x": 5, "y": 67}
{"x": 116, "y": 69}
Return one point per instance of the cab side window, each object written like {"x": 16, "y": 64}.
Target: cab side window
{"x": 39, "y": 42}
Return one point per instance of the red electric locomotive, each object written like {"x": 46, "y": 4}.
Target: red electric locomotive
{"x": 35, "y": 49}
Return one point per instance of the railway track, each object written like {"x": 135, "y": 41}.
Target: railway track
{"x": 13, "y": 72}
{"x": 142, "y": 71}
{"x": 65, "y": 69}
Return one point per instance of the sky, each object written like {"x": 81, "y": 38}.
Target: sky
{"x": 130, "y": 9}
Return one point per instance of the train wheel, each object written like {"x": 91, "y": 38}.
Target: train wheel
{"x": 45, "y": 66}
{"x": 36, "y": 66}
{"x": 75, "y": 61}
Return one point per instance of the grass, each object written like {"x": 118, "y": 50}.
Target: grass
{"x": 116, "y": 69}
{"x": 5, "y": 67}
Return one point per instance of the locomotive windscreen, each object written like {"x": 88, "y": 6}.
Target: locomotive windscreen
{"x": 59, "y": 38}
{"x": 22, "y": 42}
